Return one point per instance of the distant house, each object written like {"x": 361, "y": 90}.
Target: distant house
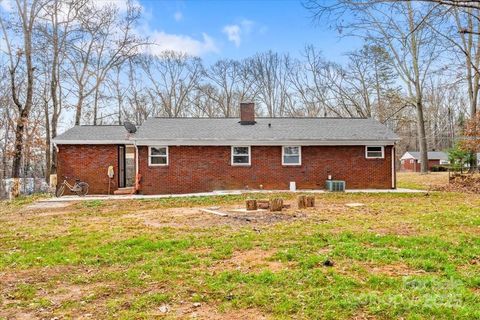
{"x": 184, "y": 155}
{"x": 411, "y": 162}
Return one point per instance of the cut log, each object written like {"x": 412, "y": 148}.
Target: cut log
{"x": 302, "y": 202}
{"x": 310, "y": 201}
{"x": 251, "y": 204}
{"x": 263, "y": 204}
{"x": 276, "y": 204}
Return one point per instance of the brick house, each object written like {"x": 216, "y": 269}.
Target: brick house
{"x": 185, "y": 155}
{"x": 410, "y": 161}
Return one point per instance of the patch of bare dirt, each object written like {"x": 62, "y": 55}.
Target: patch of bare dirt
{"x": 251, "y": 260}
{"x": 194, "y": 218}
{"x": 206, "y": 311}
{"x": 392, "y": 270}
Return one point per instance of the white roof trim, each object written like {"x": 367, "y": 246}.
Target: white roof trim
{"x": 407, "y": 156}
{"x": 180, "y": 142}
{"x": 92, "y": 142}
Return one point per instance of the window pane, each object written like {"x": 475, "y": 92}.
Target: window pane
{"x": 291, "y": 159}
{"x": 374, "y": 149}
{"x": 240, "y": 159}
{"x": 158, "y": 160}
{"x": 374, "y": 154}
{"x": 158, "y": 151}
{"x": 291, "y": 150}
{"x": 240, "y": 150}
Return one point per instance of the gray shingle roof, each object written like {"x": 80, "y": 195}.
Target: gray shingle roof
{"x": 211, "y": 131}
{"x": 432, "y": 155}
{"x": 214, "y": 130}
{"x": 94, "y": 134}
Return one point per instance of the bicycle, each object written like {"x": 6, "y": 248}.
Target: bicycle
{"x": 80, "y": 188}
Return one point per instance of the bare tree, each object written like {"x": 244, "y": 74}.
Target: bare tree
{"x": 20, "y": 55}
{"x": 228, "y": 85}
{"x": 270, "y": 71}
{"x": 105, "y": 39}
{"x": 401, "y": 30}
{"x": 173, "y": 77}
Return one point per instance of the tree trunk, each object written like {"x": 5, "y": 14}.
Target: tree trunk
{"x": 78, "y": 109}
{"x": 422, "y": 139}
{"x": 47, "y": 144}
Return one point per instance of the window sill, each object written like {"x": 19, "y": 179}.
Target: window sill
{"x": 158, "y": 165}
{"x": 240, "y": 165}
{"x": 291, "y": 165}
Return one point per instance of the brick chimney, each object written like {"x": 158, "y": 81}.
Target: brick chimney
{"x": 247, "y": 113}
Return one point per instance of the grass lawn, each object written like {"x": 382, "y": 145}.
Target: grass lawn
{"x": 411, "y": 256}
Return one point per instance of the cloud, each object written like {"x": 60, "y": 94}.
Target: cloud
{"x": 122, "y": 5}
{"x": 181, "y": 43}
{"x": 235, "y": 32}
{"x": 178, "y": 16}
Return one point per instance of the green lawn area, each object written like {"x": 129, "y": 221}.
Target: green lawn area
{"x": 411, "y": 256}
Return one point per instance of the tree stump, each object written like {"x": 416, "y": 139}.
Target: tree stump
{"x": 276, "y": 204}
{"x": 251, "y": 204}
{"x": 302, "y": 202}
{"x": 310, "y": 201}
{"x": 263, "y": 204}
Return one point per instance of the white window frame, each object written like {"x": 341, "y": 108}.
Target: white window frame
{"x": 241, "y": 164}
{"x": 299, "y": 156}
{"x": 150, "y": 164}
{"x": 366, "y": 152}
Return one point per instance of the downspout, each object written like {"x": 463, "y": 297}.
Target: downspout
{"x": 394, "y": 174}
{"x": 137, "y": 178}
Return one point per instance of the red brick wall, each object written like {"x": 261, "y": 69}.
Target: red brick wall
{"x": 199, "y": 169}
{"x": 88, "y": 163}
{"x": 416, "y": 167}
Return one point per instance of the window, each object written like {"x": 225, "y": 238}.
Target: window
{"x": 444, "y": 162}
{"x": 291, "y": 156}
{"x": 240, "y": 156}
{"x": 374, "y": 152}
{"x": 158, "y": 156}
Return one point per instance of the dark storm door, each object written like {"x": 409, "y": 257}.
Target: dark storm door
{"x": 121, "y": 166}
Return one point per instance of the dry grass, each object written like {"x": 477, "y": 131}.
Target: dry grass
{"x": 397, "y": 256}
{"x": 415, "y": 180}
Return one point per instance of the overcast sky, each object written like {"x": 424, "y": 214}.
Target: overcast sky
{"x": 214, "y": 29}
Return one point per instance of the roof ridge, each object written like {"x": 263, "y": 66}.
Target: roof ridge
{"x": 272, "y": 118}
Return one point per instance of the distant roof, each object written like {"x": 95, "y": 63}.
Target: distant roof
{"x": 94, "y": 135}
{"x": 432, "y": 155}
{"x": 228, "y": 131}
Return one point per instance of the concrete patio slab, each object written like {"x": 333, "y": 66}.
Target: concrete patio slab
{"x": 214, "y": 193}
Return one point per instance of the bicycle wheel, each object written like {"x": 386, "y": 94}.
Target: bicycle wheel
{"x": 60, "y": 191}
{"x": 83, "y": 189}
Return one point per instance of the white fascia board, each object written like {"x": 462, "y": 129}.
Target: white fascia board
{"x": 87, "y": 142}
{"x": 264, "y": 142}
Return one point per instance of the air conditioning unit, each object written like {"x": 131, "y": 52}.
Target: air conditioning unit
{"x": 335, "y": 185}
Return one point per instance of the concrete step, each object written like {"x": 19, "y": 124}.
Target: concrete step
{"x": 127, "y": 190}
